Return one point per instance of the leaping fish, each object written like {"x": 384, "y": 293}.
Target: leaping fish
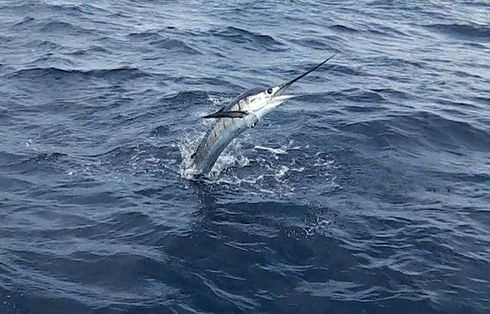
{"x": 240, "y": 114}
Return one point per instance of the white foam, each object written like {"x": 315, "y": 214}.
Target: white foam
{"x": 217, "y": 101}
{"x": 276, "y": 151}
{"x": 187, "y": 145}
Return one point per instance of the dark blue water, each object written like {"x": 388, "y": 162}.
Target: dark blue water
{"x": 368, "y": 193}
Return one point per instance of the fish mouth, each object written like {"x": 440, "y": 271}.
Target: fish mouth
{"x": 276, "y": 101}
{"x": 283, "y": 87}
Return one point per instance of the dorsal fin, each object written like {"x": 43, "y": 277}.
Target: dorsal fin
{"x": 226, "y": 114}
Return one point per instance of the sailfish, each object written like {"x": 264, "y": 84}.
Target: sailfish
{"x": 244, "y": 112}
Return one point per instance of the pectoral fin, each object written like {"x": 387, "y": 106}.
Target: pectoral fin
{"x": 226, "y": 114}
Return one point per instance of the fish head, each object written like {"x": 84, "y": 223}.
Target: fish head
{"x": 262, "y": 100}
{"x": 265, "y": 100}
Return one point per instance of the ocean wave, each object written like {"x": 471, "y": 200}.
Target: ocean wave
{"x": 472, "y": 32}
{"x": 23, "y": 163}
{"x": 58, "y": 8}
{"x": 61, "y": 27}
{"x": 89, "y": 51}
{"x": 369, "y": 192}
{"x": 59, "y": 73}
{"x": 154, "y": 39}
{"x": 343, "y": 28}
{"x": 363, "y": 97}
{"x": 242, "y": 36}
{"x": 25, "y": 21}
{"x": 423, "y": 129}
{"x": 315, "y": 43}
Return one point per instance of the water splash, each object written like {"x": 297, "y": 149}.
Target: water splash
{"x": 259, "y": 169}
{"x": 231, "y": 156}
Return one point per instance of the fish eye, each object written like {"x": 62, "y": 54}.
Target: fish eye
{"x": 269, "y": 91}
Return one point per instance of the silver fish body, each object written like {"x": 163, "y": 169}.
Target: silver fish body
{"x": 222, "y": 133}
{"x": 217, "y": 139}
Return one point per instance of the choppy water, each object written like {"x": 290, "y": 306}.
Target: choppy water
{"x": 368, "y": 193}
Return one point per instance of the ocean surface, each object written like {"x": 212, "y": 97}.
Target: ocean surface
{"x": 367, "y": 193}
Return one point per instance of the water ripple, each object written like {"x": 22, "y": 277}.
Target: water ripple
{"x": 368, "y": 192}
